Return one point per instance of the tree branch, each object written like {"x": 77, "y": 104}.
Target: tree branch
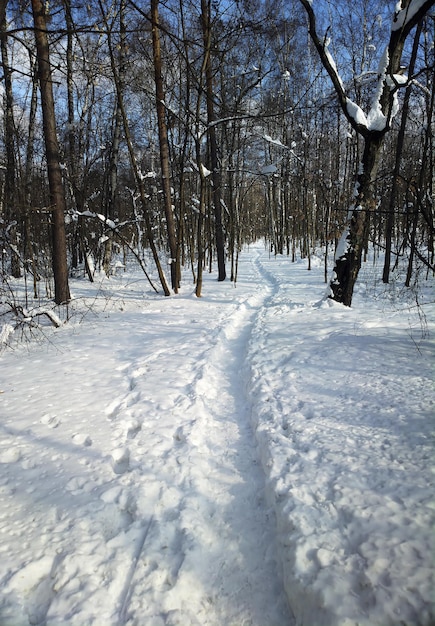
{"x": 329, "y": 64}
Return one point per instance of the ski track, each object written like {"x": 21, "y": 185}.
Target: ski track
{"x": 186, "y": 524}
{"x": 181, "y": 479}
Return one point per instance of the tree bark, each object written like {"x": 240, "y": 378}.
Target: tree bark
{"x": 348, "y": 264}
{"x": 164, "y": 147}
{"x": 398, "y": 160}
{"x": 10, "y": 192}
{"x": 211, "y": 132}
{"x": 57, "y": 194}
{"x": 110, "y": 190}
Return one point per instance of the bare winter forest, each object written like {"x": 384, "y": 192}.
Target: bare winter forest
{"x": 178, "y": 131}
{"x": 260, "y": 455}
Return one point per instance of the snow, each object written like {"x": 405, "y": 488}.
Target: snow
{"x": 376, "y": 120}
{"x": 356, "y": 113}
{"x": 110, "y": 223}
{"x": 332, "y": 63}
{"x": 276, "y": 142}
{"x": 205, "y": 172}
{"x": 151, "y": 174}
{"x": 343, "y": 243}
{"x": 256, "y": 456}
{"x": 403, "y": 16}
{"x": 5, "y": 332}
{"x": 399, "y": 79}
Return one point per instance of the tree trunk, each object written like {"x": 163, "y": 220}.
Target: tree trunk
{"x": 57, "y": 194}
{"x": 9, "y": 130}
{"x": 29, "y": 248}
{"x": 211, "y": 132}
{"x": 200, "y": 242}
{"x": 109, "y": 193}
{"x": 398, "y": 160}
{"x": 348, "y": 257}
{"x": 164, "y": 146}
{"x": 137, "y": 174}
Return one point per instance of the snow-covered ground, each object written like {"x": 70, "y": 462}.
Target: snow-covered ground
{"x": 258, "y": 456}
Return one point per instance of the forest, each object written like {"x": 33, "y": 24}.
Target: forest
{"x": 176, "y": 132}
{"x": 217, "y": 312}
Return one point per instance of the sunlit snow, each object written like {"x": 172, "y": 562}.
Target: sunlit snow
{"x": 257, "y": 456}
{"x": 356, "y": 113}
{"x": 405, "y": 15}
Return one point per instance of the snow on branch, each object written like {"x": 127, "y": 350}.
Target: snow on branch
{"x": 409, "y": 14}
{"x": 352, "y": 111}
{"x": 24, "y": 315}
{"x": 278, "y": 142}
{"x": 385, "y": 101}
{"x": 356, "y": 113}
{"x": 116, "y": 229}
{"x": 275, "y": 142}
{"x": 42, "y": 311}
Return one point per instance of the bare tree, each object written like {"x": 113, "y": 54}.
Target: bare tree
{"x": 9, "y": 192}
{"x": 109, "y": 191}
{"x": 139, "y": 179}
{"x": 372, "y": 128}
{"x": 57, "y": 194}
{"x": 398, "y": 159}
{"x": 211, "y": 132}
{"x": 164, "y": 146}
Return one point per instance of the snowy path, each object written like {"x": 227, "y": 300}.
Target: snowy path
{"x": 133, "y": 491}
{"x": 154, "y": 513}
{"x": 210, "y": 554}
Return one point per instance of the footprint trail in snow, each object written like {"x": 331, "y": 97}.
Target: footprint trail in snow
{"x": 131, "y": 492}
{"x": 150, "y": 507}
{"x": 210, "y": 554}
